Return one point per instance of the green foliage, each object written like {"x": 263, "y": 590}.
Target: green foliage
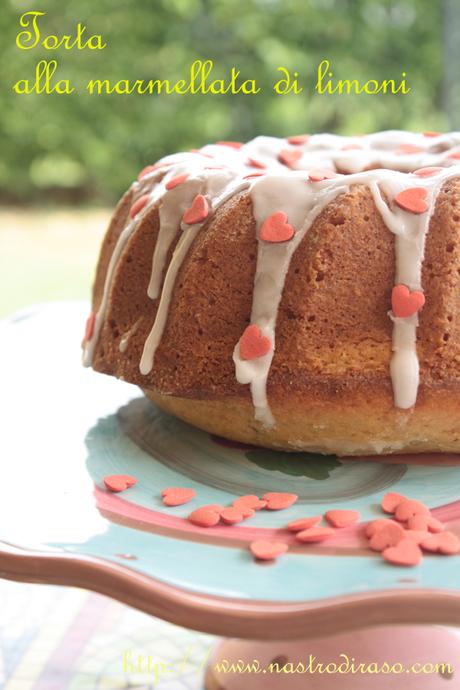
{"x": 91, "y": 147}
{"x": 309, "y": 465}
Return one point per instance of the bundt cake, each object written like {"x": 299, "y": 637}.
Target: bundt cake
{"x": 299, "y": 293}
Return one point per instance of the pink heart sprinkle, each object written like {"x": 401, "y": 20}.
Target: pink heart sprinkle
{"x": 342, "y": 518}
{"x": 197, "y": 212}
{"x": 245, "y": 511}
{"x": 405, "y": 302}
{"x": 231, "y": 144}
{"x": 149, "y": 169}
{"x": 254, "y": 174}
{"x": 320, "y": 175}
{"x": 428, "y": 523}
{"x": 278, "y": 500}
{"x": 290, "y": 158}
{"x": 249, "y": 501}
{"x": 314, "y": 534}
{"x": 304, "y": 523}
{"x": 407, "y": 149}
{"x": 435, "y": 525}
{"x": 409, "y": 508}
{"x": 275, "y": 228}
{"x": 446, "y": 543}
{"x": 119, "y": 482}
{"x": 391, "y": 501}
{"x": 177, "y": 496}
{"x": 138, "y": 205}
{"x": 253, "y": 344}
{"x": 216, "y": 507}
{"x": 267, "y": 550}
{"x": 254, "y": 163}
{"x": 176, "y": 181}
{"x": 204, "y": 517}
{"x": 418, "y": 522}
{"x": 298, "y": 139}
{"x": 201, "y": 153}
{"x": 89, "y": 328}
{"x": 406, "y": 553}
{"x": 232, "y": 515}
{"x": 375, "y": 525}
{"x": 427, "y": 172}
{"x": 388, "y": 535}
{"x": 417, "y": 535}
{"x": 413, "y": 200}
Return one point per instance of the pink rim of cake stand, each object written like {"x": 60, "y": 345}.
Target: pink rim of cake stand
{"x": 376, "y": 627}
{"x": 243, "y": 618}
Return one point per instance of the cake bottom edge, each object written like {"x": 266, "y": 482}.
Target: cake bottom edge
{"x": 364, "y": 426}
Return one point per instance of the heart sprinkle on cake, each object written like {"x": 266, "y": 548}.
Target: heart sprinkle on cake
{"x": 254, "y": 163}
{"x": 253, "y": 344}
{"x": 138, "y": 205}
{"x": 147, "y": 170}
{"x": 298, "y": 139}
{"x": 254, "y": 174}
{"x": 405, "y": 302}
{"x": 427, "y": 172}
{"x": 275, "y": 228}
{"x": 176, "y": 181}
{"x": 320, "y": 175}
{"x": 289, "y": 158}
{"x": 89, "y": 328}
{"x": 407, "y": 149}
{"x": 231, "y": 144}
{"x": 198, "y": 211}
{"x": 413, "y": 200}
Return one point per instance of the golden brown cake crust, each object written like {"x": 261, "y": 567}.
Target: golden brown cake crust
{"x": 329, "y": 385}
{"x": 345, "y": 424}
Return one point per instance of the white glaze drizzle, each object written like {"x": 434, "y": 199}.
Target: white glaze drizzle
{"x": 271, "y": 194}
{"x": 373, "y": 160}
{"x": 189, "y": 232}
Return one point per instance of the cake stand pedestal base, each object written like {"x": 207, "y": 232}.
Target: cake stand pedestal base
{"x": 401, "y": 657}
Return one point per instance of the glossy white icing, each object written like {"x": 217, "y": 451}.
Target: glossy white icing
{"x": 384, "y": 162}
{"x": 273, "y": 193}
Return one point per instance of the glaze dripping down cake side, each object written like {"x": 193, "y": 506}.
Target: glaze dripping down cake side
{"x": 299, "y": 293}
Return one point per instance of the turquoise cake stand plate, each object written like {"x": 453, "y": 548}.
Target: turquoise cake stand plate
{"x": 64, "y": 428}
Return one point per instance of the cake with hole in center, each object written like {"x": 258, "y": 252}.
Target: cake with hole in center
{"x": 298, "y": 293}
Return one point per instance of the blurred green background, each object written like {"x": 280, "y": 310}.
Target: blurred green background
{"x": 66, "y": 159}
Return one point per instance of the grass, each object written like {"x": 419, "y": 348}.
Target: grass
{"x": 47, "y": 255}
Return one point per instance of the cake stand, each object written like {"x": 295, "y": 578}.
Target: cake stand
{"x": 65, "y": 428}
